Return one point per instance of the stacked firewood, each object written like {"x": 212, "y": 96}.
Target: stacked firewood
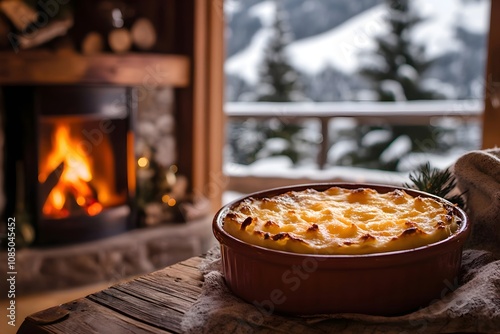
{"x": 25, "y": 26}
{"x": 112, "y": 26}
{"x": 142, "y": 35}
{"x": 89, "y": 26}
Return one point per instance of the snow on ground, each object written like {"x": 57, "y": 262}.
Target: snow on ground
{"x": 280, "y": 166}
{"x": 341, "y": 46}
{"x": 440, "y": 161}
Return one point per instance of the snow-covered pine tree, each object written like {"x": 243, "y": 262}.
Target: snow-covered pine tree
{"x": 278, "y": 80}
{"x": 401, "y": 61}
{"x": 395, "y": 70}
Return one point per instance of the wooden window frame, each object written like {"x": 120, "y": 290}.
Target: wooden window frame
{"x": 491, "y": 116}
{"x": 208, "y": 99}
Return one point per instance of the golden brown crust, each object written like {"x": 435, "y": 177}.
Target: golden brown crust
{"x": 341, "y": 221}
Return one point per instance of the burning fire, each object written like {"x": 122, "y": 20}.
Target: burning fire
{"x": 73, "y": 188}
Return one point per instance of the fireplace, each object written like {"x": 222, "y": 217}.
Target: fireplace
{"x": 72, "y": 155}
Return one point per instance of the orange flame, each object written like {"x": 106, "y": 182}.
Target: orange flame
{"x": 74, "y": 179}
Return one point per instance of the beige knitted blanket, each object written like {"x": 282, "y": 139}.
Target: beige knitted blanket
{"x": 472, "y": 303}
{"x": 478, "y": 177}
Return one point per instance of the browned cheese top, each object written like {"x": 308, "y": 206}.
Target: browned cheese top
{"x": 341, "y": 221}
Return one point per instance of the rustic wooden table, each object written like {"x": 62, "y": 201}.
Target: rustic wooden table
{"x": 154, "y": 303}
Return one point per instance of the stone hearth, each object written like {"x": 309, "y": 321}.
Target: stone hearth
{"x": 111, "y": 259}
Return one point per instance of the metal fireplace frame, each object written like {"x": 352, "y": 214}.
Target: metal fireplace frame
{"x": 24, "y": 108}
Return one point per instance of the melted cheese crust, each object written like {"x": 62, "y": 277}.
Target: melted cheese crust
{"x": 341, "y": 221}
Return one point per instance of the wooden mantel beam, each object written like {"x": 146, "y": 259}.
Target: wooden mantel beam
{"x": 41, "y": 67}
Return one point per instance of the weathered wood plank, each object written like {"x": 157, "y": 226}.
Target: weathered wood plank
{"x": 193, "y": 262}
{"x": 178, "y": 280}
{"x": 38, "y": 67}
{"x": 175, "y": 290}
{"x": 178, "y": 274}
{"x": 184, "y": 289}
{"x": 154, "y": 297}
{"x": 87, "y": 317}
{"x": 153, "y": 303}
{"x": 158, "y": 299}
{"x": 143, "y": 310}
{"x": 186, "y": 273}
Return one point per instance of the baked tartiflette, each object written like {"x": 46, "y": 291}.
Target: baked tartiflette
{"x": 341, "y": 221}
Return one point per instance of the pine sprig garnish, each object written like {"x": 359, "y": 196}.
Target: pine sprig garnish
{"x": 437, "y": 182}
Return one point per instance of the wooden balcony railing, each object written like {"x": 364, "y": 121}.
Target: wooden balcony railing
{"x": 401, "y": 113}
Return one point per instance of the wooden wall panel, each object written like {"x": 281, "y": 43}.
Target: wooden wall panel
{"x": 491, "y": 118}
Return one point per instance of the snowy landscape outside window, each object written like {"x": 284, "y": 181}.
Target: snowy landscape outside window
{"x": 352, "y": 89}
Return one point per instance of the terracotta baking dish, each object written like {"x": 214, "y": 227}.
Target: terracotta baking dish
{"x": 391, "y": 283}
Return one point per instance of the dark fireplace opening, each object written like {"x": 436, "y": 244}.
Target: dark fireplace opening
{"x": 69, "y": 161}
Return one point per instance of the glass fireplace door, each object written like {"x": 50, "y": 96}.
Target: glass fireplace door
{"x": 76, "y": 157}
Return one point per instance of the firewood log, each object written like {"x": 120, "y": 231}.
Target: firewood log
{"x": 92, "y": 43}
{"x": 143, "y": 34}
{"x": 46, "y": 33}
{"x": 20, "y": 14}
{"x": 119, "y": 40}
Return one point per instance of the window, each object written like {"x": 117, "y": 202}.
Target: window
{"x": 347, "y": 90}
